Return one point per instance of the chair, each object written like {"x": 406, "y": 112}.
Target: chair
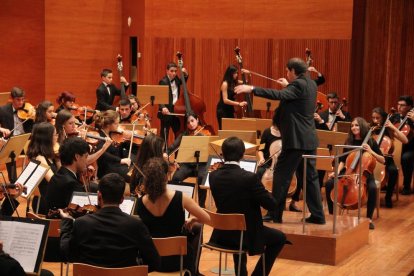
{"x": 54, "y": 232}
{"x": 87, "y": 270}
{"x": 226, "y": 222}
{"x": 171, "y": 246}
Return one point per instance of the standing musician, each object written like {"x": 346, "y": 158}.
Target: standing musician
{"x": 174, "y": 83}
{"x": 185, "y": 170}
{"x": 297, "y": 127}
{"x": 106, "y": 91}
{"x": 225, "y": 107}
{"x": 45, "y": 113}
{"x": 333, "y": 114}
{"x": 379, "y": 118}
{"x": 320, "y": 78}
{"x": 111, "y": 160}
{"x": 73, "y": 155}
{"x": 357, "y": 133}
{"x": 405, "y": 110}
{"x": 65, "y": 100}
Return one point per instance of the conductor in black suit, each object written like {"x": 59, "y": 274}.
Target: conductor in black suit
{"x": 106, "y": 91}
{"x": 238, "y": 191}
{"x": 174, "y": 84}
{"x": 295, "y": 117}
{"x": 109, "y": 237}
{"x": 73, "y": 156}
{"x": 333, "y": 114}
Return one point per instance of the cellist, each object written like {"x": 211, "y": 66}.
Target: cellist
{"x": 357, "y": 133}
{"x": 379, "y": 117}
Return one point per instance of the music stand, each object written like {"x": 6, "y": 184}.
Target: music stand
{"x": 11, "y": 150}
{"x": 267, "y": 105}
{"x": 154, "y": 94}
{"x": 4, "y": 98}
{"x": 131, "y": 126}
{"x": 218, "y": 143}
{"x": 246, "y": 136}
{"x": 329, "y": 138}
{"x": 343, "y": 126}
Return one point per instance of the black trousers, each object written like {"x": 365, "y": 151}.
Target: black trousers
{"x": 289, "y": 161}
{"x": 371, "y": 190}
{"x": 189, "y": 169}
{"x": 274, "y": 241}
{"x": 392, "y": 172}
{"x": 407, "y": 164}
{"x": 169, "y": 122}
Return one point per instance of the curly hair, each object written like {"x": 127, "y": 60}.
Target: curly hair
{"x": 155, "y": 179}
{"x": 106, "y": 118}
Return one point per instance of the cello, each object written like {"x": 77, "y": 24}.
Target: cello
{"x": 247, "y": 97}
{"x": 349, "y": 184}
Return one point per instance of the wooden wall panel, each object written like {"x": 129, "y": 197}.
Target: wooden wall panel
{"x": 80, "y": 41}
{"x": 22, "y": 51}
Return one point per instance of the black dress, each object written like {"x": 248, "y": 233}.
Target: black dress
{"x": 225, "y": 110}
{"x": 43, "y": 191}
{"x": 170, "y": 224}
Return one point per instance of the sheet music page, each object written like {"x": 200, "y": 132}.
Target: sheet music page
{"x": 248, "y": 166}
{"x": 25, "y": 175}
{"x": 127, "y": 205}
{"x": 23, "y": 242}
{"x": 82, "y": 199}
{"x": 35, "y": 178}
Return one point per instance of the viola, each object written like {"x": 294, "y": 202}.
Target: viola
{"x": 348, "y": 184}
{"x": 12, "y": 190}
{"x": 26, "y": 112}
{"x": 318, "y": 107}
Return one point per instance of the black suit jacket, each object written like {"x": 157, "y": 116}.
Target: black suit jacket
{"x": 108, "y": 238}
{"x": 238, "y": 191}
{"x": 61, "y": 187}
{"x": 295, "y": 112}
{"x": 325, "y": 116}
{"x": 104, "y": 101}
{"x": 7, "y": 119}
{"x": 166, "y": 81}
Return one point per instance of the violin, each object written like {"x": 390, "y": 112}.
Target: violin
{"x": 74, "y": 210}
{"x": 348, "y": 184}
{"x": 12, "y": 190}
{"x": 215, "y": 166}
{"x": 82, "y": 112}
{"x": 200, "y": 131}
{"x": 26, "y": 112}
{"x": 120, "y": 136}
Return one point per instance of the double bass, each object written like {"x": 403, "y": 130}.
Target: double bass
{"x": 320, "y": 97}
{"x": 349, "y": 184}
{"x": 247, "y": 97}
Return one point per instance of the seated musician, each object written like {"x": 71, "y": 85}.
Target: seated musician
{"x": 140, "y": 116}
{"x": 45, "y": 112}
{"x": 333, "y": 114}
{"x": 65, "y": 100}
{"x": 185, "y": 170}
{"x": 124, "y": 110}
{"x": 73, "y": 156}
{"x": 163, "y": 212}
{"x": 9, "y": 265}
{"x": 379, "y": 118}
{"x": 405, "y": 110}
{"x": 109, "y": 237}
{"x": 8, "y": 201}
{"x": 238, "y": 191}
{"x": 357, "y": 133}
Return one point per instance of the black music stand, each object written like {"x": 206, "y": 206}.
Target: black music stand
{"x": 10, "y": 151}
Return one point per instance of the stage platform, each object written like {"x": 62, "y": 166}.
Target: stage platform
{"x": 318, "y": 244}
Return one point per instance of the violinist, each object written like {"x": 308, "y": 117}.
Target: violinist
{"x": 405, "y": 110}
{"x": 357, "y": 133}
{"x": 109, "y": 237}
{"x": 8, "y": 200}
{"x": 174, "y": 83}
{"x": 41, "y": 149}
{"x": 65, "y": 100}
{"x": 134, "y": 102}
{"x": 225, "y": 107}
{"x": 65, "y": 125}
{"x": 111, "y": 160}
{"x": 185, "y": 170}
{"x": 124, "y": 110}
{"x": 333, "y": 114}
{"x": 106, "y": 91}
{"x": 73, "y": 156}
{"x": 45, "y": 113}
{"x": 379, "y": 118}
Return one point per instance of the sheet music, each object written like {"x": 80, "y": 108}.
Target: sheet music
{"x": 187, "y": 190}
{"x": 22, "y": 242}
{"x": 26, "y": 173}
{"x": 246, "y": 165}
{"x": 127, "y": 205}
{"x": 31, "y": 177}
{"x": 81, "y": 199}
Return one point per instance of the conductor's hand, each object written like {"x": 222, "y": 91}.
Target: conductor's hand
{"x": 165, "y": 111}
{"x": 126, "y": 161}
{"x": 243, "y": 89}
{"x": 283, "y": 82}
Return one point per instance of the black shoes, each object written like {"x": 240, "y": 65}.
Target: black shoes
{"x": 314, "y": 220}
{"x": 269, "y": 218}
{"x": 388, "y": 202}
{"x": 405, "y": 191}
{"x": 293, "y": 208}
{"x": 371, "y": 226}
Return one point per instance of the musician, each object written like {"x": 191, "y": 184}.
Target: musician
{"x": 73, "y": 156}
{"x": 134, "y": 102}
{"x": 357, "y": 133}
{"x": 106, "y": 91}
{"x": 41, "y": 149}
{"x": 9, "y": 204}
{"x": 379, "y": 118}
{"x": 45, "y": 112}
{"x": 297, "y": 127}
{"x": 174, "y": 83}
{"x": 65, "y": 125}
{"x": 163, "y": 212}
{"x": 405, "y": 106}
{"x": 333, "y": 114}
{"x": 185, "y": 170}
{"x": 65, "y": 100}
{"x": 8, "y": 265}
{"x": 225, "y": 107}
{"x": 111, "y": 160}
{"x": 238, "y": 191}
{"x": 320, "y": 79}
{"x": 109, "y": 237}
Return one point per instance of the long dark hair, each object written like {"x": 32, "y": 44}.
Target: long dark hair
{"x": 228, "y": 76}
{"x": 41, "y": 141}
{"x": 363, "y": 130}
{"x": 62, "y": 117}
{"x": 151, "y": 146}
{"x": 41, "y": 111}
